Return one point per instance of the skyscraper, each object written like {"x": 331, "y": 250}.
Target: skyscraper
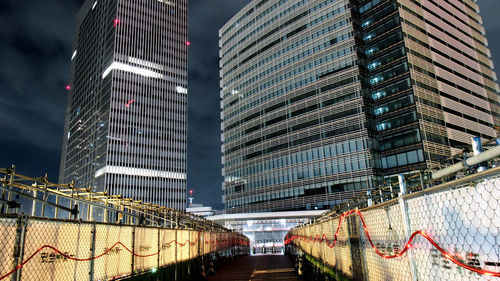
{"x": 126, "y": 115}
{"x": 324, "y": 99}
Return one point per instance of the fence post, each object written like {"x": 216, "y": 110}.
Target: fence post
{"x": 133, "y": 250}
{"x": 363, "y": 257}
{"x": 159, "y": 249}
{"x": 323, "y": 246}
{"x": 22, "y": 221}
{"x": 176, "y": 249}
{"x": 33, "y": 206}
{"x": 92, "y": 252}
{"x": 369, "y": 197}
{"x": 356, "y": 249}
{"x": 406, "y": 223}
{"x": 189, "y": 254}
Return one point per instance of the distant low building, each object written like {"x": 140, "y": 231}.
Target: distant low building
{"x": 266, "y": 231}
{"x": 200, "y": 210}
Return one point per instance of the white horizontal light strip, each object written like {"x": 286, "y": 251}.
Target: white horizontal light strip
{"x": 167, "y": 2}
{"x": 132, "y": 69}
{"x": 146, "y": 63}
{"x": 139, "y": 172}
{"x": 181, "y": 90}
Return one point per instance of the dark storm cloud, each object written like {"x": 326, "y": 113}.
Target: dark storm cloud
{"x": 489, "y": 12}
{"x": 204, "y": 157}
{"x": 35, "y": 50}
{"x": 35, "y": 47}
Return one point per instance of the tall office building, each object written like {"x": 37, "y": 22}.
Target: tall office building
{"x": 324, "y": 99}
{"x": 126, "y": 116}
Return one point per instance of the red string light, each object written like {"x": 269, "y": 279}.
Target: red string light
{"x": 129, "y": 102}
{"x": 407, "y": 246}
{"x": 239, "y": 241}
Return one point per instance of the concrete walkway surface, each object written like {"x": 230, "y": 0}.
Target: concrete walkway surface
{"x": 258, "y": 267}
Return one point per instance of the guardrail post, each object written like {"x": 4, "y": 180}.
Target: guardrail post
{"x": 22, "y": 221}
{"x": 92, "y": 252}
{"x": 406, "y": 223}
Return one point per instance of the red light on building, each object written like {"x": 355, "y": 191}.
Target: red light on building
{"x": 191, "y": 192}
{"x": 68, "y": 87}
{"x": 116, "y": 22}
{"x": 188, "y": 43}
{"x": 129, "y": 102}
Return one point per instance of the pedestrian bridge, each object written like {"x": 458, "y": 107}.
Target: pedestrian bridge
{"x": 435, "y": 230}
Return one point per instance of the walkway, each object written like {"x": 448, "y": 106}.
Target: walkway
{"x": 259, "y": 267}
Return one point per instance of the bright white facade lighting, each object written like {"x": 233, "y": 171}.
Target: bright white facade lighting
{"x": 139, "y": 172}
{"x": 132, "y": 69}
{"x": 167, "y": 2}
{"x": 181, "y": 90}
{"x": 146, "y": 63}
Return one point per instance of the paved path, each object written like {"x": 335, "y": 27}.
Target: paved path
{"x": 259, "y": 267}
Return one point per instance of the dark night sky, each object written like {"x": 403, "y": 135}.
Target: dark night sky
{"x": 35, "y": 48}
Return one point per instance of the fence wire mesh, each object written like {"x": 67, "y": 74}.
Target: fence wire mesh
{"x": 117, "y": 261}
{"x": 449, "y": 232}
{"x": 9, "y": 253}
{"x": 51, "y": 249}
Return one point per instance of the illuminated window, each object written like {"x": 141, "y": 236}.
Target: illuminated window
{"x": 378, "y": 95}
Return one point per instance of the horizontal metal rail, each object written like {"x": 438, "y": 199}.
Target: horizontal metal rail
{"x": 19, "y": 184}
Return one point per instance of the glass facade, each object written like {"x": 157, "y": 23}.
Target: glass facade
{"x": 126, "y": 116}
{"x": 294, "y": 116}
{"x": 323, "y": 99}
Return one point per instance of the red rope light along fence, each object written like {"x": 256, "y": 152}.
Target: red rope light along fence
{"x": 407, "y": 246}
{"x": 223, "y": 242}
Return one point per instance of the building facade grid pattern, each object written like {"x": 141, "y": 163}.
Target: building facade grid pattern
{"x": 323, "y": 99}
{"x": 127, "y": 108}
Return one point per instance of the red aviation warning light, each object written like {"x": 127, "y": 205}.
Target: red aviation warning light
{"x": 188, "y": 43}
{"x": 68, "y": 87}
{"x": 116, "y": 22}
{"x": 190, "y": 197}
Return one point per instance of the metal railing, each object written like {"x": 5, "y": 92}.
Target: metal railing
{"x": 68, "y": 201}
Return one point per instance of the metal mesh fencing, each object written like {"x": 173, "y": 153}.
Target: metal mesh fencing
{"x": 117, "y": 260}
{"x": 168, "y": 246}
{"x": 448, "y": 232}
{"x": 183, "y": 240}
{"x": 51, "y": 249}
{"x": 146, "y": 248}
{"x": 8, "y": 240}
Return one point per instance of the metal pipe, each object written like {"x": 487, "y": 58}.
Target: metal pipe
{"x": 474, "y": 160}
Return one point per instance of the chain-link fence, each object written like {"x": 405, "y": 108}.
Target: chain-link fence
{"x": 447, "y": 232}
{"x": 52, "y": 249}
